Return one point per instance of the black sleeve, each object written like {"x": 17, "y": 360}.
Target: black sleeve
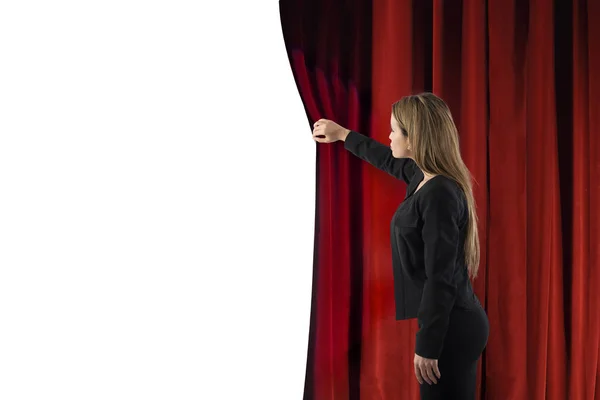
{"x": 380, "y": 156}
{"x": 440, "y": 210}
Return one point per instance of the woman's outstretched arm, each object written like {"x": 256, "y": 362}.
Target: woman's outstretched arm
{"x": 365, "y": 148}
{"x": 380, "y": 156}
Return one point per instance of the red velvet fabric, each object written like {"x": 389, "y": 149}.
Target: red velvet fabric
{"x": 522, "y": 79}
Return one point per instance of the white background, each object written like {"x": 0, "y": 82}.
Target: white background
{"x": 157, "y": 194}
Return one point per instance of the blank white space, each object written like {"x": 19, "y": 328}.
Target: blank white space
{"x": 156, "y": 202}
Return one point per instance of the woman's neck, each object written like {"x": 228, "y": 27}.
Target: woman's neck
{"x": 428, "y": 176}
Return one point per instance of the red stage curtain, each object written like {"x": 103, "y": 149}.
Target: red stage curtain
{"x": 523, "y": 81}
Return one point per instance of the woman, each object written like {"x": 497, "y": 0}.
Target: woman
{"x": 435, "y": 242}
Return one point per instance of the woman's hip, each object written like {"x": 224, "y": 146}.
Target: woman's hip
{"x": 468, "y": 332}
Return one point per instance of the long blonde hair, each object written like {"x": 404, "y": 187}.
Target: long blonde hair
{"x": 428, "y": 123}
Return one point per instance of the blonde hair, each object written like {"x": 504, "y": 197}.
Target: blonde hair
{"x": 428, "y": 123}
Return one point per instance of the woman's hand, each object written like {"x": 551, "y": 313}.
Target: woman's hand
{"x": 426, "y": 370}
{"x": 327, "y": 131}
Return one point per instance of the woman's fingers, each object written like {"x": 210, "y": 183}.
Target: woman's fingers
{"x": 431, "y": 373}
{"x": 319, "y": 122}
{"x": 329, "y": 129}
{"x": 418, "y": 374}
{"x": 436, "y": 369}
{"x": 427, "y": 372}
{"x": 318, "y": 136}
{"x": 424, "y": 374}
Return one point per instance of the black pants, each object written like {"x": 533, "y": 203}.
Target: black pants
{"x": 465, "y": 340}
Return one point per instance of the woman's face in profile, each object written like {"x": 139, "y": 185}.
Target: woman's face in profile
{"x": 398, "y": 142}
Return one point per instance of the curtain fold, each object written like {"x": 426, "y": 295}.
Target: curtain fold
{"x": 522, "y": 79}
{"x": 327, "y": 55}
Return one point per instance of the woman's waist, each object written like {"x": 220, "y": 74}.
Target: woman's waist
{"x": 467, "y": 299}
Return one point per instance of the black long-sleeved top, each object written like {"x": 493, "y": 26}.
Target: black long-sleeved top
{"x": 428, "y": 232}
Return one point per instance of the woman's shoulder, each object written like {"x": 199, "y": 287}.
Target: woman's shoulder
{"x": 442, "y": 183}
{"x": 442, "y": 190}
